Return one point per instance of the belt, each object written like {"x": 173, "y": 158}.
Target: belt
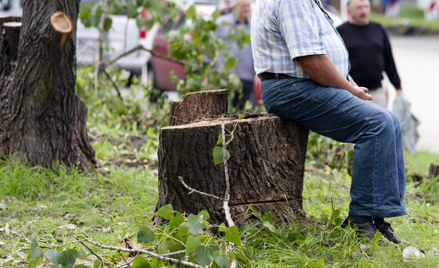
{"x": 268, "y": 76}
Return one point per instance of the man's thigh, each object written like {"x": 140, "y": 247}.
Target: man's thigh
{"x": 329, "y": 111}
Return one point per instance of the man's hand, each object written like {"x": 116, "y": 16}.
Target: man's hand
{"x": 362, "y": 93}
{"x": 399, "y": 92}
{"x": 322, "y": 71}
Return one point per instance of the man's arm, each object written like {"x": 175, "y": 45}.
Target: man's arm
{"x": 390, "y": 66}
{"x": 322, "y": 71}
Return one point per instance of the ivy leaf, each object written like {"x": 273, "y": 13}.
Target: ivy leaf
{"x": 35, "y": 250}
{"x": 218, "y": 155}
{"x": 166, "y": 212}
{"x": 191, "y": 243}
{"x": 140, "y": 262}
{"x": 203, "y": 255}
{"x": 194, "y": 224}
{"x": 53, "y": 256}
{"x": 232, "y": 236}
{"x": 68, "y": 258}
{"x": 221, "y": 261}
{"x": 145, "y": 235}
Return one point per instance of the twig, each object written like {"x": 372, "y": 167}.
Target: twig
{"x": 98, "y": 61}
{"x": 113, "y": 83}
{"x": 174, "y": 253}
{"x": 152, "y": 254}
{"x": 226, "y": 174}
{"x": 140, "y": 47}
{"x": 89, "y": 249}
{"x": 192, "y": 190}
{"x": 126, "y": 263}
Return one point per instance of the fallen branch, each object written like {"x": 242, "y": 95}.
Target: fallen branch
{"x": 91, "y": 251}
{"x": 141, "y": 251}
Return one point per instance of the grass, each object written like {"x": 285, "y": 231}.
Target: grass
{"x": 54, "y": 206}
{"x": 408, "y": 17}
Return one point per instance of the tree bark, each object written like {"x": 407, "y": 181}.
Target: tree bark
{"x": 266, "y": 167}
{"x": 196, "y": 106}
{"x": 42, "y": 120}
{"x": 434, "y": 170}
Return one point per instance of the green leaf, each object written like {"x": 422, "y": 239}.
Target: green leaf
{"x": 80, "y": 266}
{"x": 203, "y": 255}
{"x": 218, "y": 155}
{"x": 191, "y": 243}
{"x": 68, "y": 258}
{"x": 166, "y": 212}
{"x": 222, "y": 228}
{"x": 230, "y": 64}
{"x": 319, "y": 263}
{"x": 221, "y": 261}
{"x": 145, "y": 235}
{"x": 220, "y": 139}
{"x": 242, "y": 116}
{"x": 33, "y": 263}
{"x": 176, "y": 221}
{"x": 205, "y": 215}
{"x": 35, "y": 250}
{"x": 191, "y": 12}
{"x": 53, "y": 256}
{"x": 270, "y": 227}
{"x": 216, "y": 14}
{"x": 232, "y": 236}
{"x": 98, "y": 264}
{"x": 194, "y": 224}
{"x": 107, "y": 24}
{"x": 140, "y": 262}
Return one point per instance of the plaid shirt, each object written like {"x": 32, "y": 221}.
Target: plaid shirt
{"x": 283, "y": 30}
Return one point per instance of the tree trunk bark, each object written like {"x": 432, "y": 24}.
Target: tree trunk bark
{"x": 196, "y": 106}
{"x": 42, "y": 120}
{"x": 266, "y": 167}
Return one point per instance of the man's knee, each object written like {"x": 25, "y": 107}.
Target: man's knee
{"x": 382, "y": 122}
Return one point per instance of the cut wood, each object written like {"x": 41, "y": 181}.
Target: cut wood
{"x": 62, "y": 24}
{"x": 196, "y": 106}
{"x": 434, "y": 170}
{"x": 265, "y": 169}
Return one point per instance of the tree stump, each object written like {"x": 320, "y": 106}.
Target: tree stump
{"x": 198, "y": 105}
{"x": 266, "y": 167}
{"x": 41, "y": 118}
{"x": 434, "y": 170}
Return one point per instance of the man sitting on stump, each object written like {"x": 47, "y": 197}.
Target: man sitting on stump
{"x": 304, "y": 65}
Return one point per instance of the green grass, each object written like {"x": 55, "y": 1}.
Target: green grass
{"x": 37, "y": 202}
{"x": 408, "y": 17}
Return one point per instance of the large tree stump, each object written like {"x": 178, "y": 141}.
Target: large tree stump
{"x": 266, "y": 167}
{"x": 41, "y": 118}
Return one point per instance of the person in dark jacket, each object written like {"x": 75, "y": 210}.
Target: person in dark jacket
{"x": 369, "y": 51}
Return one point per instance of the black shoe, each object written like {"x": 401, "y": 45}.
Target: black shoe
{"x": 386, "y": 230}
{"x": 365, "y": 225}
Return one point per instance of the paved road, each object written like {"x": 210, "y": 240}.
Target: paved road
{"x": 417, "y": 60}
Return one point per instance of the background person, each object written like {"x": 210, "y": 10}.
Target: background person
{"x": 369, "y": 51}
{"x": 244, "y": 69}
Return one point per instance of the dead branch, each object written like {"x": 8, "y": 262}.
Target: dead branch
{"x": 113, "y": 83}
{"x": 192, "y": 190}
{"x": 141, "y": 251}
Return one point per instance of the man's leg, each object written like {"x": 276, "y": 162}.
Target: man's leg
{"x": 377, "y": 182}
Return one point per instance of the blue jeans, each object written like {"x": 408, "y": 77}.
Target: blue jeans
{"x": 378, "y": 177}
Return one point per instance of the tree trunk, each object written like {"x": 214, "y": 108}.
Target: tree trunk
{"x": 266, "y": 167}
{"x": 42, "y": 120}
{"x": 197, "y": 106}
{"x": 434, "y": 170}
